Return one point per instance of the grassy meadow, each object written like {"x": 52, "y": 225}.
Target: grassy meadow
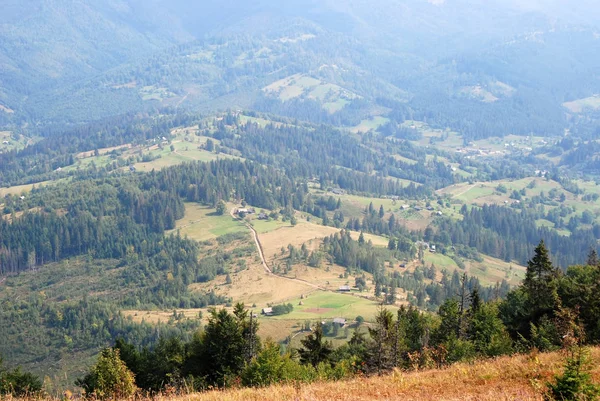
{"x": 520, "y": 377}
{"x": 201, "y": 223}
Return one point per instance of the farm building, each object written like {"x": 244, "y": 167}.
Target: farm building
{"x": 339, "y": 321}
{"x": 267, "y": 311}
{"x": 344, "y": 288}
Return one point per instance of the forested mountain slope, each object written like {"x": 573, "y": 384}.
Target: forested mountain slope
{"x": 432, "y": 60}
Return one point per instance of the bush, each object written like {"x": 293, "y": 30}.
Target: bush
{"x": 109, "y": 378}
{"x": 18, "y": 383}
{"x": 282, "y": 309}
{"x": 575, "y": 384}
{"x": 270, "y": 367}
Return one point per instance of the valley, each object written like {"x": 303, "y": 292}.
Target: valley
{"x": 303, "y": 195}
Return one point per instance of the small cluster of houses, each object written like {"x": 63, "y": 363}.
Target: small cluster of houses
{"x": 336, "y": 191}
{"x": 419, "y": 208}
{"x": 426, "y": 245}
{"x": 242, "y": 212}
{"x": 479, "y": 152}
{"x": 245, "y": 211}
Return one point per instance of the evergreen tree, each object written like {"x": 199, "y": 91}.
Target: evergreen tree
{"x": 314, "y": 349}
{"x": 540, "y": 282}
{"x": 381, "y": 355}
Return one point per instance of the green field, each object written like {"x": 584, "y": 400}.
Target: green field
{"x": 265, "y": 226}
{"x": 370, "y": 124}
{"x": 186, "y": 148}
{"x": 333, "y": 98}
{"x": 200, "y": 223}
{"x": 582, "y": 105}
{"x": 155, "y": 93}
{"x": 334, "y": 107}
{"x": 15, "y": 142}
{"x": 327, "y": 305}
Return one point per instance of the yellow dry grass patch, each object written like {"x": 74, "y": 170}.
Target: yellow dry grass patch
{"x": 273, "y": 241}
{"x": 508, "y": 378}
{"x": 20, "y": 189}
{"x": 305, "y": 232}
{"x": 162, "y": 316}
{"x": 325, "y": 276}
{"x": 255, "y": 286}
{"x": 103, "y": 151}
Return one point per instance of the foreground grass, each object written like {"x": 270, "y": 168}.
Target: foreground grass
{"x": 521, "y": 377}
{"x": 508, "y": 378}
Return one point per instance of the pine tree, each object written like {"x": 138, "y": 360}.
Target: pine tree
{"x": 381, "y": 356}
{"x": 540, "y": 282}
{"x": 314, "y": 349}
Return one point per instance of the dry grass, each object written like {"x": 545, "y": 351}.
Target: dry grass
{"x": 273, "y": 241}
{"x": 20, "y": 189}
{"x": 507, "y": 378}
{"x": 520, "y": 377}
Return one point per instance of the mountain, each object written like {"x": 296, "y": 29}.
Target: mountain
{"x": 76, "y": 61}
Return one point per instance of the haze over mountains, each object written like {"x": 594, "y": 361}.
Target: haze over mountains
{"x": 75, "y": 61}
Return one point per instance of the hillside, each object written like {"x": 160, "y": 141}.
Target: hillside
{"x": 520, "y": 377}
{"x": 131, "y": 56}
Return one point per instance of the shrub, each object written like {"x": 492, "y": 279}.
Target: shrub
{"x": 575, "y": 383}
{"x": 18, "y": 383}
{"x": 109, "y": 378}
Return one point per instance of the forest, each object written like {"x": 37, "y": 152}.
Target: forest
{"x": 549, "y": 310}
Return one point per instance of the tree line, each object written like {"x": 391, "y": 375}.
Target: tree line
{"x": 541, "y": 313}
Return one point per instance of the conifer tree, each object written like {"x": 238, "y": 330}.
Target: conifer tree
{"x": 314, "y": 349}
{"x": 540, "y": 282}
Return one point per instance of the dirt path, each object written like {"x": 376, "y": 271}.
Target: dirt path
{"x": 264, "y": 260}
{"x": 183, "y": 99}
{"x": 467, "y": 189}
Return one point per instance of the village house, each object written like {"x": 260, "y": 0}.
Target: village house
{"x": 340, "y": 321}
{"x": 344, "y": 288}
{"x": 267, "y": 311}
